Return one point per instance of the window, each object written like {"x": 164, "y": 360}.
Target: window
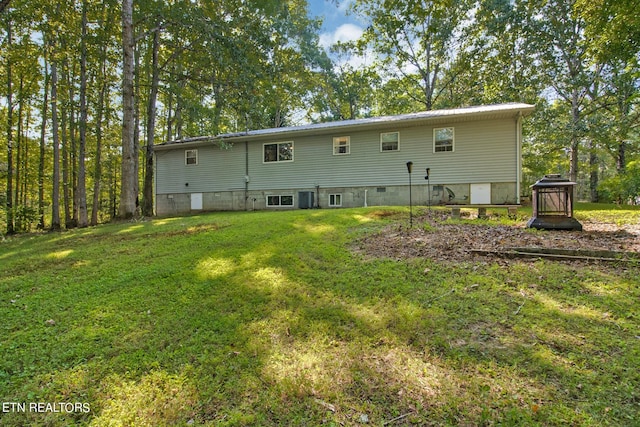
{"x": 443, "y": 139}
{"x": 390, "y": 141}
{"x": 341, "y": 145}
{"x": 335, "y": 199}
{"x": 278, "y": 152}
{"x": 190, "y": 157}
{"x": 279, "y": 201}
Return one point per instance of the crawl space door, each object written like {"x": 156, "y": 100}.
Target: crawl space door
{"x": 480, "y": 194}
{"x": 196, "y": 201}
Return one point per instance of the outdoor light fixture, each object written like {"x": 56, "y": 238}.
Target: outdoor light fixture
{"x": 553, "y": 204}
{"x": 409, "y": 169}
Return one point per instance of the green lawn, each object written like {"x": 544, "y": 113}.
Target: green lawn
{"x": 272, "y": 318}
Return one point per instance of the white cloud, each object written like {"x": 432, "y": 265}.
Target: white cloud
{"x": 344, "y": 33}
{"x": 344, "y": 5}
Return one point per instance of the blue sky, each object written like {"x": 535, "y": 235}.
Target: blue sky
{"x": 337, "y": 25}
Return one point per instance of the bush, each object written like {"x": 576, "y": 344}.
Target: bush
{"x": 622, "y": 188}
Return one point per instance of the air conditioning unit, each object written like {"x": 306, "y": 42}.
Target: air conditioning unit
{"x": 305, "y": 199}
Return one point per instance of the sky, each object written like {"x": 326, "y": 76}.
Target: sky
{"x": 337, "y": 24}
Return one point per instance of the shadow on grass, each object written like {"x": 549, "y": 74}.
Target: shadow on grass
{"x": 268, "y": 319}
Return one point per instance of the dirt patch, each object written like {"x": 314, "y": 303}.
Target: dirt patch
{"x": 434, "y": 238}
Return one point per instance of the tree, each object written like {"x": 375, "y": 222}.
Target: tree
{"x": 147, "y": 197}
{"x": 415, "y": 42}
{"x": 9, "y": 128}
{"x": 43, "y": 130}
{"x": 613, "y": 26}
{"x": 344, "y": 91}
{"x": 558, "y": 34}
{"x": 494, "y": 62}
{"x": 4, "y": 4}
{"x": 129, "y": 174}
{"x": 83, "y": 219}
{"x": 55, "y": 194}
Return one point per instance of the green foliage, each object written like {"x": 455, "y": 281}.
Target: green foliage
{"x": 624, "y": 187}
{"x": 613, "y": 25}
{"x": 415, "y": 43}
{"x": 220, "y": 320}
{"x": 232, "y": 65}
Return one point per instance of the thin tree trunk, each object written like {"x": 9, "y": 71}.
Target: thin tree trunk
{"x": 55, "y": 194}
{"x": 147, "y": 198}
{"x": 66, "y": 192}
{"x": 43, "y": 130}
{"x": 97, "y": 174}
{"x": 621, "y": 158}
{"x": 575, "y": 139}
{"x": 71, "y": 212}
{"x": 18, "y": 165}
{"x": 9, "y": 195}
{"x": 169, "y": 136}
{"x": 82, "y": 190}
{"x": 593, "y": 172}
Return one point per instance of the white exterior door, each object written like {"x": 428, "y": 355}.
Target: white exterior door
{"x": 196, "y": 201}
{"x": 480, "y": 194}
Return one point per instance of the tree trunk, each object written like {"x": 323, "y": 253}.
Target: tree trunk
{"x": 68, "y": 154}
{"x": 55, "y": 194}
{"x": 593, "y": 172}
{"x": 9, "y": 195}
{"x": 66, "y": 192}
{"x": 147, "y": 198}
{"x": 17, "y": 170}
{"x": 83, "y": 220}
{"x": 128, "y": 194}
{"x": 97, "y": 173}
{"x": 621, "y": 158}
{"x": 575, "y": 138}
{"x": 43, "y": 131}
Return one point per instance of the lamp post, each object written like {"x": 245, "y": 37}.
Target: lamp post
{"x": 409, "y": 169}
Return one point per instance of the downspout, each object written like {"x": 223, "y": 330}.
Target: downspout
{"x": 246, "y": 175}
{"x": 155, "y": 182}
{"x": 518, "y": 155}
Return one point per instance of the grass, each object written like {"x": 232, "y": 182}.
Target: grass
{"x": 269, "y": 318}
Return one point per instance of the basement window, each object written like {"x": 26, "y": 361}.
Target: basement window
{"x": 190, "y": 157}
{"x": 335, "y": 200}
{"x": 277, "y": 201}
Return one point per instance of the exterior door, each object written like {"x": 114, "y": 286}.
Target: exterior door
{"x": 196, "y": 201}
{"x": 480, "y": 194}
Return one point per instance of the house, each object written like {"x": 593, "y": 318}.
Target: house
{"x": 473, "y": 155}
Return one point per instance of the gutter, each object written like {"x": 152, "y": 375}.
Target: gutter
{"x": 385, "y": 122}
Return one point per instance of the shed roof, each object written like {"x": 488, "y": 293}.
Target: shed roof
{"x": 413, "y": 119}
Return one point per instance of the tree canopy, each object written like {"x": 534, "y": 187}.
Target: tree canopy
{"x": 89, "y": 87}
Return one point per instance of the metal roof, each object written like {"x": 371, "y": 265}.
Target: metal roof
{"x": 433, "y": 116}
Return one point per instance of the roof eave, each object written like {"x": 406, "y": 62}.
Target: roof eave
{"x": 429, "y": 117}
